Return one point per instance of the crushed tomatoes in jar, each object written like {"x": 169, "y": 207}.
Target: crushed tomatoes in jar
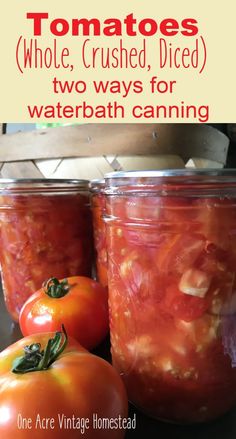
{"x": 42, "y": 236}
{"x": 99, "y": 230}
{"x": 172, "y": 295}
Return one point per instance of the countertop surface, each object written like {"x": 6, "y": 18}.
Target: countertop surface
{"x": 223, "y": 428}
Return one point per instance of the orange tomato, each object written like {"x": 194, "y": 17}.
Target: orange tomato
{"x": 52, "y": 389}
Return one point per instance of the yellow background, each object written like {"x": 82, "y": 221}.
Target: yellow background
{"x": 215, "y": 87}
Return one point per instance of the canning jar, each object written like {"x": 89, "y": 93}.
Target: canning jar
{"x": 171, "y": 239}
{"x": 45, "y": 231}
{"x": 99, "y": 229}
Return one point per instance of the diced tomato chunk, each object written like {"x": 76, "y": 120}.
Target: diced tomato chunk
{"x": 195, "y": 282}
{"x": 184, "y": 306}
{"x": 178, "y": 252}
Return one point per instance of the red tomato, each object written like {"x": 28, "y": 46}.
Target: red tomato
{"x": 80, "y": 303}
{"x": 65, "y": 384}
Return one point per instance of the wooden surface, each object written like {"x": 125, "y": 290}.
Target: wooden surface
{"x": 89, "y": 151}
{"x": 25, "y": 169}
{"x": 91, "y": 140}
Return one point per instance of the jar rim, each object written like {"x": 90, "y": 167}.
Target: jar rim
{"x": 34, "y": 185}
{"x": 185, "y": 172}
{"x": 173, "y": 182}
{"x": 97, "y": 185}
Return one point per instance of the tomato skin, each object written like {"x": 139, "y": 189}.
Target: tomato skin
{"x": 77, "y": 384}
{"x": 83, "y": 311}
{"x": 184, "y": 306}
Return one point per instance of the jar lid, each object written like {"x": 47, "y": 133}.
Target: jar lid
{"x": 173, "y": 173}
{"x": 173, "y": 182}
{"x": 38, "y": 185}
{"x": 97, "y": 185}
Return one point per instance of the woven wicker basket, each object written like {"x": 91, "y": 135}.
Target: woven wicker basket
{"x": 91, "y": 150}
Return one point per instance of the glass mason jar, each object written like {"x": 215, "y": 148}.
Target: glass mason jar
{"x": 99, "y": 229}
{"x": 45, "y": 231}
{"x": 171, "y": 241}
